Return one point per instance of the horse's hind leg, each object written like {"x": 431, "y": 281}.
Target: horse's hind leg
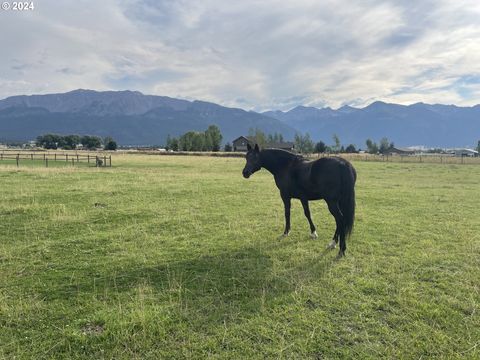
{"x": 337, "y": 214}
{"x": 306, "y": 211}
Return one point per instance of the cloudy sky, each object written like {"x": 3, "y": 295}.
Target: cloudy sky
{"x": 259, "y": 55}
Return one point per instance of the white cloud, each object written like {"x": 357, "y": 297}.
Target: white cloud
{"x": 252, "y": 54}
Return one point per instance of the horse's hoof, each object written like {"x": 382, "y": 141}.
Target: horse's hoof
{"x": 282, "y": 236}
{"x": 314, "y": 235}
{"x": 340, "y": 254}
{"x": 332, "y": 245}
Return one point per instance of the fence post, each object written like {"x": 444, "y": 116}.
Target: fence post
{"x": 110, "y": 160}
{"x": 88, "y": 158}
{"x": 46, "y": 162}
{"x": 104, "y": 161}
{"x": 55, "y": 156}
{"x": 18, "y": 158}
{"x": 66, "y": 157}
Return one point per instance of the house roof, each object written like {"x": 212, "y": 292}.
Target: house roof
{"x": 242, "y": 137}
{"x": 464, "y": 150}
{"x": 402, "y": 149}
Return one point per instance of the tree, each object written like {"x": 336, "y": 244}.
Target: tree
{"x": 336, "y": 147}
{"x": 185, "y": 142}
{"x": 198, "y": 141}
{"x": 320, "y": 147}
{"x": 47, "y": 141}
{"x": 385, "y": 145}
{"x": 227, "y": 147}
{"x": 109, "y": 144}
{"x": 70, "y": 142}
{"x": 192, "y": 141}
{"x": 275, "y": 138}
{"x": 258, "y": 136}
{"x": 91, "y": 142}
{"x": 372, "y": 147}
{"x": 172, "y": 143}
{"x": 213, "y": 138}
{"x": 51, "y": 141}
{"x": 478, "y": 146}
{"x": 303, "y": 143}
{"x": 351, "y": 149}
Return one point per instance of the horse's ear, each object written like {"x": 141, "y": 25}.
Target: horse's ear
{"x": 257, "y": 148}
{"x": 249, "y": 147}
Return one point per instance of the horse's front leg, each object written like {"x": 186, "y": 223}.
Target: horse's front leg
{"x": 287, "y": 204}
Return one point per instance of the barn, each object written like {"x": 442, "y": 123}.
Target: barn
{"x": 463, "y": 152}
{"x": 400, "y": 151}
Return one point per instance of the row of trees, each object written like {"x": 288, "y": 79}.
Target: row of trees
{"x": 383, "y": 148}
{"x": 208, "y": 140}
{"x": 304, "y": 144}
{"x": 263, "y": 139}
{"x": 71, "y": 142}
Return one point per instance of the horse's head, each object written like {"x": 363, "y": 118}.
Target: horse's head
{"x": 253, "y": 161}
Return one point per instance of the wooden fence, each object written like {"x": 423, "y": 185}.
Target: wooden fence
{"x": 47, "y": 157}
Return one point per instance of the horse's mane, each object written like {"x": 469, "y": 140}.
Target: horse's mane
{"x": 284, "y": 154}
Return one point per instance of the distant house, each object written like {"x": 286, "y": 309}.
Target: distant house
{"x": 463, "y": 152}
{"x": 240, "y": 144}
{"x": 400, "y": 151}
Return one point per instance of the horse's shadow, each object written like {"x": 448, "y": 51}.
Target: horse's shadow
{"x": 220, "y": 285}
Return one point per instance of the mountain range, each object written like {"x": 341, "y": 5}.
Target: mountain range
{"x": 136, "y": 119}
{"x": 417, "y": 124}
{"x": 130, "y": 117}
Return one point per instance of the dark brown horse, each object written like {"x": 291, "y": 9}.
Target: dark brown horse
{"x": 331, "y": 179}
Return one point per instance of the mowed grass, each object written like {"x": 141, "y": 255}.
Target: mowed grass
{"x": 178, "y": 257}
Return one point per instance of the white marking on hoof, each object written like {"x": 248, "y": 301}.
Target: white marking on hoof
{"x": 282, "y": 236}
{"x": 332, "y": 245}
{"x": 314, "y": 235}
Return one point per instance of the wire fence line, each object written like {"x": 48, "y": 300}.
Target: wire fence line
{"x": 416, "y": 158}
{"x": 104, "y": 160}
{"x": 49, "y": 157}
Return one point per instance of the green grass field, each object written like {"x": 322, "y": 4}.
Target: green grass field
{"x": 178, "y": 257}
{"x": 41, "y": 163}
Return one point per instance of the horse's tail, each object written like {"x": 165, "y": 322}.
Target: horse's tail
{"x": 347, "y": 203}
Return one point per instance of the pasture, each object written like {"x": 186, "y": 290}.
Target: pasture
{"x": 178, "y": 257}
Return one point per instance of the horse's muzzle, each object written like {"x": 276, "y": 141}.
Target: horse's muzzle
{"x": 246, "y": 173}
